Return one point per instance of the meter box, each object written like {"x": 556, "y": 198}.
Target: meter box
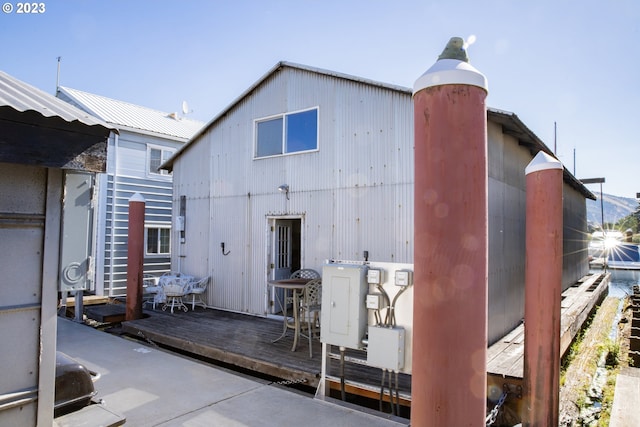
{"x": 344, "y": 312}
{"x": 386, "y": 347}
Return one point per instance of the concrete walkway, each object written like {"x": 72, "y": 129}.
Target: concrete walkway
{"x": 626, "y": 401}
{"x": 152, "y": 387}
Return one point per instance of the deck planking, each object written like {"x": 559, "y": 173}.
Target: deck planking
{"x": 240, "y": 340}
{"x": 505, "y": 358}
{"x": 245, "y": 341}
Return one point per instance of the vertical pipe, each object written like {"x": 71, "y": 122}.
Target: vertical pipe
{"x": 543, "y": 288}
{"x": 135, "y": 255}
{"x": 451, "y": 244}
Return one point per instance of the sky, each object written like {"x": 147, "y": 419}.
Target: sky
{"x": 566, "y": 68}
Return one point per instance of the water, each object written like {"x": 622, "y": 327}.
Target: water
{"x": 622, "y": 282}
{"x": 620, "y": 286}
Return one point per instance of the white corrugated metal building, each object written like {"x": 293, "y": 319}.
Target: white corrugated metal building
{"x": 309, "y": 165}
{"x": 147, "y": 137}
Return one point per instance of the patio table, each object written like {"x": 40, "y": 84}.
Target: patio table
{"x": 295, "y": 286}
{"x": 172, "y": 288}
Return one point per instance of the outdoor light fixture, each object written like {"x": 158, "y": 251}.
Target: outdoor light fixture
{"x": 284, "y": 188}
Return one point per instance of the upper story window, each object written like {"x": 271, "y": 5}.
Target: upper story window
{"x": 155, "y": 157}
{"x": 287, "y": 133}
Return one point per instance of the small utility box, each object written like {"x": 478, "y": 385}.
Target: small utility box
{"x": 344, "y": 313}
{"x": 386, "y": 348}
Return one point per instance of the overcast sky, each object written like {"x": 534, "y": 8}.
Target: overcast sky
{"x": 573, "y": 63}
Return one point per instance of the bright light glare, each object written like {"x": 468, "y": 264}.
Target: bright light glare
{"x": 470, "y": 40}
{"x": 611, "y": 242}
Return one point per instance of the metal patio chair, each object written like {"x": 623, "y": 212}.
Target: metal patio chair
{"x": 310, "y": 306}
{"x": 174, "y": 290}
{"x": 303, "y": 273}
{"x": 150, "y": 289}
{"x": 195, "y": 290}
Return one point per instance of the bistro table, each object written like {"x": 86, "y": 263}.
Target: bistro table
{"x": 172, "y": 288}
{"x": 296, "y": 286}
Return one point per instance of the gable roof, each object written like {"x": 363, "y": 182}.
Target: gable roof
{"x": 511, "y": 124}
{"x": 42, "y": 130}
{"x": 130, "y": 116}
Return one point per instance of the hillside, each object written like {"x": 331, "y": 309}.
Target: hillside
{"x": 615, "y": 208}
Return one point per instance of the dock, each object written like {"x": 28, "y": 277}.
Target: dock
{"x": 244, "y": 342}
{"x": 505, "y": 358}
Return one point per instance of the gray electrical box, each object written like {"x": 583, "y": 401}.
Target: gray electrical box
{"x": 344, "y": 311}
{"x": 386, "y": 347}
{"x": 76, "y": 262}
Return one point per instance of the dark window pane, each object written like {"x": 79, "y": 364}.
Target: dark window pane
{"x": 155, "y": 159}
{"x": 152, "y": 240}
{"x": 269, "y": 140}
{"x": 302, "y": 131}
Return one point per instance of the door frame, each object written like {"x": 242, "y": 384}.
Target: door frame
{"x": 271, "y": 223}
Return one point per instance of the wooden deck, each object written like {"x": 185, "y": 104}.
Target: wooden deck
{"x": 505, "y": 358}
{"x": 245, "y": 342}
{"x": 239, "y": 340}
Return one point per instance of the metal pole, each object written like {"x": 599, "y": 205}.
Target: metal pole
{"x": 543, "y": 289}
{"x": 602, "y": 207}
{"x": 135, "y": 256}
{"x": 449, "y": 384}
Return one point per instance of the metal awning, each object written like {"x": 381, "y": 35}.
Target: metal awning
{"x": 38, "y": 129}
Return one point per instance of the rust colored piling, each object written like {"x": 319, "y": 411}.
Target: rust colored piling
{"x": 543, "y": 289}
{"x": 135, "y": 257}
{"x": 451, "y": 244}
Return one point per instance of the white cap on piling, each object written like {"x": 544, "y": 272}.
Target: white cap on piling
{"x": 137, "y": 197}
{"x": 452, "y": 67}
{"x": 542, "y": 161}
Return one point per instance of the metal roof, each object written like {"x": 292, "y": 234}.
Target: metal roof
{"x": 38, "y": 129}
{"x": 130, "y": 116}
{"x": 23, "y": 97}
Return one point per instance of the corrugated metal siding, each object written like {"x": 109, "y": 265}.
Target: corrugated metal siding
{"x": 354, "y": 194}
{"x": 23, "y": 97}
{"x": 576, "y": 259}
{"x": 370, "y": 161}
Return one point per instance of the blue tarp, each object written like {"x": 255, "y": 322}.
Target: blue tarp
{"x": 624, "y": 253}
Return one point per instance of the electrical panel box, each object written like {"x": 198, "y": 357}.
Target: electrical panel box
{"x": 374, "y": 301}
{"x": 386, "y": 347}
{"x": 344, "y": 314}
{"x": 403, "y": 278}
{"x": 180, "y": 223}
{"x": 374, "y": 276}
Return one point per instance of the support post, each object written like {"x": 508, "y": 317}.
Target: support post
{"x": 543, "y": 289}
{"x": 135, "y": 256}
{"x": 449, "y": 384}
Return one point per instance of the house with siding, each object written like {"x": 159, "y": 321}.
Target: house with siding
{"x": 309, "y": 165}
{"x": 146, "y": 138}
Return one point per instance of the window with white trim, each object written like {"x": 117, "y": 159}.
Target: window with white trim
{"x": 287, "y": 133}
{"x": 155, "y": 157}
{"x": 158, "y": 239}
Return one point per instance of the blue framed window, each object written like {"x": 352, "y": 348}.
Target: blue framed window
{"x": 288, "y": 133}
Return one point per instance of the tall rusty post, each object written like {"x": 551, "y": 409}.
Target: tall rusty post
{"x": 135, "y": 257}
{"x": 449, "y": 380}
{"x": 543, "y": 289}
